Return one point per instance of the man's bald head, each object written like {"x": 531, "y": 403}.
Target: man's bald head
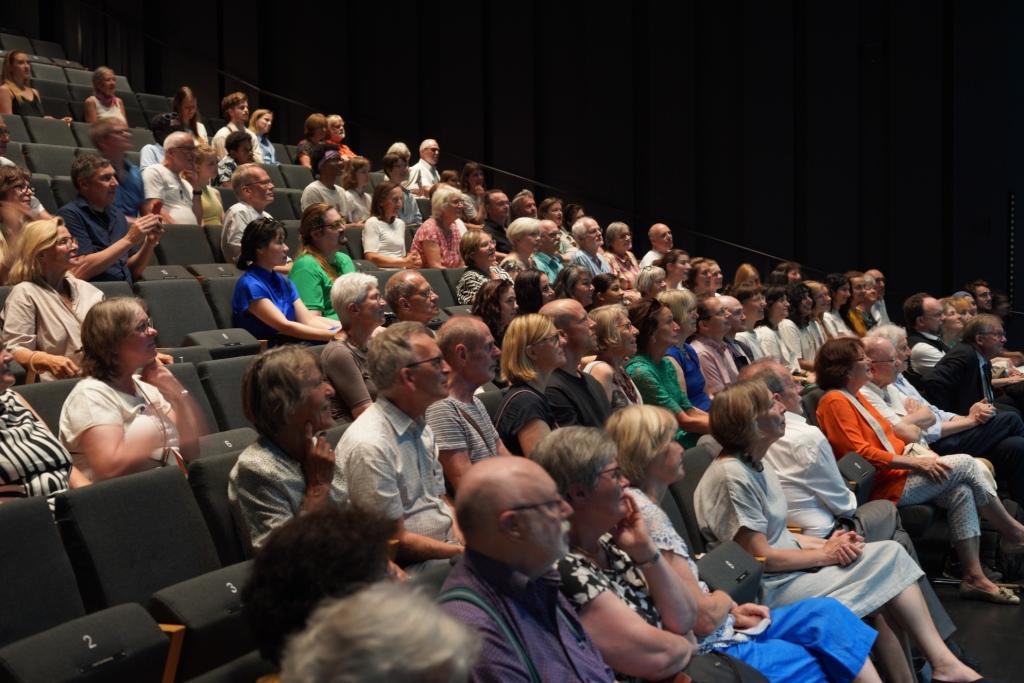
{"x": 562, "y": 311}
{"x": 660, "y": 236}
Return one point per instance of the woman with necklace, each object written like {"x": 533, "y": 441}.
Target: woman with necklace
{"x": 104, "y": 102}
{"x": 43, "y": 313}
{"x": 437, "y": 240}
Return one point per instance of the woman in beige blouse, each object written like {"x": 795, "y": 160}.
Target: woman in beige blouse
{"x": 43, "y": 313}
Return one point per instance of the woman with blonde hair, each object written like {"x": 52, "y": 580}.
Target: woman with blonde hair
{"x": 42, "y": 316}
{"x": 952, "y": 324}
{"x": 205, "y": 174}
{"x": 746, "y": 273}
{"x": 355, "y": 180}
{"x": 104, "y": 102}
{"x": 185, "y": 106}
{"x": 260, "y": 122}
{"x": 17, "y": 96}
{"x": 683, "y": 305}
{"x": 437, "y": 240}
{"x": 321, "y": 260}
{"x": 616, "y": 343}
{"x": 531, "y": 350}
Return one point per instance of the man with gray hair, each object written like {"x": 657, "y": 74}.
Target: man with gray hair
{"x": 423, "y": 175}
{"x": 254, "y": 191}
{"x": 716, "y": 360}
{"x": 547, "y": 258}
{"x": 660, "y": 236}
{"x": 359, "y": 304}
{"x": 515, "y": 522}
{"x": 524, "y": 205}
{"x": 389, "y": 457}
{"x": 462, "y": 427}
{"x": 575, "y": 397}
{"x": 589, "y": 237}
{"x": 162, "y": 183}
{"x": 411, "y": 298}
{"x": 878, "y": 311}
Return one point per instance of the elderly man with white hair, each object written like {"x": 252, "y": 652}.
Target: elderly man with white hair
{"x": 423, "y": 175}
{"x": 255, "y": 191}
{"x": 163, "y": 185}
{"x": 589, "y": 236}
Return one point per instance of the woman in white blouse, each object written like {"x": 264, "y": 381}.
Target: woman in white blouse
{"x": 776, "y": 310}
{"x": 839, "y": 289}
{"x": 384, "y": 232}
{"x": 796, "y": 331}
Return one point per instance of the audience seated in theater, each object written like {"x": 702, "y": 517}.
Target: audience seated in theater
{"x": 179, "y": 201}
{"x": 785, "y": 273}
{"x": 676, "y": 264}
{"x": 616, "y": 342}
{"x": 355, "y": 179}
{"x": 389, "y": 457}
{"x": 878, "y": 310}
{"x": 683, "y": 306}
{"x": 423, "y": 175}
{"x": 716, "y": 361}
{"x": 328, "y": 552}
{"x": 1001, "y": 305}
{"x": 532, "y": 349}
{"x": 234, "y": 107}
{"x": 822, "y": 304}
{"x": 108, "y": 248}
{"x": 982, "y": 293}
{"x": 396, "y": 168}
{"x": 796, "y": 333}
{"x": 513, "y": 517}
{"x": 746, "y": 421}
{"x": 314, "y": 133}
{"x": 523, "y": 234}
{"x": 336, "y": 135}
{"x": 326, "y": 166}
{"x": 660, "y": 237}
{"x": 955, "y": 482}
{"x": 817, "y": 497}
{"x": 737, "y": 323}
{"x": 532, "y": 290}
{"x": 104, "y": 102}
{"x": 574, "y": 282}
{"x": 965, "y": 307}
{"x": 835, "y": 319}
{"x": 15, "y": 212}
{"x": 589, "y": 238}
{"x": 255, "y": 191}
{"x": 551, "y": 210}
{"x": 767, "y": 330}
{"x": 618, "y": 249}
{"x": 473, "y": 186}
{"x": 547, "y": 257}
{"x": 655, "y": 375}
{"x": 952, "y": 323}
{"x": 259, "y": 125}
{"x": 651, "y": 282}
{"x": 575, "y": 397}
{"x": 321, "y": 259}
{"x": 412, "y": 299}
{"x": 462, "y": 428}
{"x": 368, "y": 636}
{"x": 751, "y": 298}
{"x": 161, "y": 126}
{"x": 437, "y": 240}
{"x": 477, "y": 250}
{"x": 17, "y": 96}
{"x": 42, "y": 314}
{"x": 495, "y": 304}
{"x": 111, "y": 137}
{"x": 573, "y": 212}
{"x": 265, "y": 302}
{"x": 524, "y": 205}
{"x": 855, "y": 312}
{"x": 185, "y": 106}
{"x": 982, "y": 431}
{"x": 238, "y": 148}
{"x": 128, "y": 413}
{"x": 203, "y": 177}
{"x": 38, "y": 212}
{"x": 705, "y": 277}
{"x": 607, "y": 291}
{"x": 449, "y": 177}
{"x": 496, "y": 214}
{"x": 360, "y": 306}
{"x": 923, "y": 315}
{"x": 746, "y": 272}
{"x": 793, "y": 645}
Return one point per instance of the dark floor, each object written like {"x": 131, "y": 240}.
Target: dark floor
{"x": 992, "y": 634}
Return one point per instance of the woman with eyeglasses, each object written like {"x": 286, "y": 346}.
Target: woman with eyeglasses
{"x": 477, "y": 249}
{"x": 129, "y": 413}
{"x": 437, "y": 240}
{"x": 16, "y": 210}
{"x": 616, "y": 343}
{"x": 531, "y": 351}
{"x": 42, "y": 316}
{"x": 321, "y": 259}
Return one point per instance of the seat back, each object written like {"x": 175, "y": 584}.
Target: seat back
{"x": 44, "y": 193}
{"x": 47, "y": 398}
{"x": 37, "y": 584}
{"x": 215, "y": 270}
{"x": 48, "y": 72}
{"x": 451, "y": 278}
{"x": 225, "y": 342}
{"x": 188, "y": 376}
{"x": 695, "y": 462}
{"x": 230, "y": 441}
{"x": 16, "y": 127}
{"x": 810, "y": 401}
{"x": 131, "y": 536}
{"x": 63, "y": 189}
{"x": 113, "y": 288}
{"x": 208, "y": 477}
{"x": 222, "y": 380}
{"x": 46, "y": 48}
{"x": 295, "y": 176}
{"x": 54, "y": 90}
{"x": 53, "y": 160}
{"x": 274, "y": 171}
{"x": 437, "y": 282}
{"x": 355, "y": 242}
{"x": 162, "y": 272}
{"x": 184, "y": 245}
{"x": 492, "y": 402}
{"x": 213, "y": 233}
{"x": 282, "y": 207}
{"x": 218, "y": 291}
{"x": 177, "y": 308}
{"x": 187, "y": 354}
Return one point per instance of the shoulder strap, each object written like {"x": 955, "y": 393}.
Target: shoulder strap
{"x": 473, "y": 423}
{"x": 470, "y": 596}
{"x": 508, "y": 399}
{"x": 870, "y": 419}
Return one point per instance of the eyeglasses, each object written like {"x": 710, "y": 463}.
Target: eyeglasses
{"x": 552, "y": 506}
{"x": 550, "y": 339}
{"x": 1000, "y": 334}
{"x": 436, "y": 361}
{"x": 65, "y": 241}
{"x": 184, "y": 150}
{"x": 615, "y": 472}
{"x": 264, "y": 183}
{"x": 24, "y": 187}
{"x": 886, "y": 361}
{"x": 143, "y": 327}
{"x": 337, "y": 225}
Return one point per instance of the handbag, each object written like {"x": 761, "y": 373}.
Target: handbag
{"x": 716, "y": 667}
{"x": 859, "y": 475}
{"x": 732, "y": 569}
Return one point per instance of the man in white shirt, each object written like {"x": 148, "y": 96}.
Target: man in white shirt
{"x": 878, "y": 310}
{"x": 660, "y": 236}
{"x": 163, "y": 182}
{"x": 923, "y": 315}
{"x": 235, "y": 108}
{"x": 327, "y": 162}
{"x": 255, "y": 192}
{"x": 423, "y": 175}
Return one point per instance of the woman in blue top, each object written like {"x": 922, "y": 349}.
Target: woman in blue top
{"x": 683, "y": 305}
{"x": 265, "y": 302}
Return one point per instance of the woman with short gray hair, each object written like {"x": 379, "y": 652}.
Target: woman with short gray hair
{"x": 437, "y": 240}
{"x": 651, "y": 282}
{"x": 524, "y": 234}
{"x": 357, "y": 299}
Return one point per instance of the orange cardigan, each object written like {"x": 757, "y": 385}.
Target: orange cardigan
{"x": 848, "y": 431}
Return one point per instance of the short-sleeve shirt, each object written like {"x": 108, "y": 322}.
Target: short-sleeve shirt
{"x": 659, "y": 386}
{"x": 259, "y": 283}
{"x": 453, "y": 431}
{"x": 347, "y": 371}
{"x": 359, "y": 204}
{"x": 32, "y": 461}
{"x": 386, "y": 239}
{"x": 314, "y": 283}
{"x": 130, "y": 192}
{"x": 522, "y": 405}
{"x": 576, "y": 399}
{"x": 159, "y": 182}
{"x": 95, "y": 231}
{"x": 235, "y": 221}
{"x": 446, "y": 240}
{"x": 318, "y": 193}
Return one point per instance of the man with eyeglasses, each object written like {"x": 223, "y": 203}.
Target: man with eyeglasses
{"x": 254, "y": 191}
{"x": 412, "y": 299}
{"x": 575, "y": 397}
{"x": 388, "y": 456}
{"x": 716, "y": 361}
{"x": 38, "y": 211}
{"x": 162, "y": 183}
{"x": 423, "y": 175}
{"x": 113, "y": 139}
{"x": 516, "y": 527}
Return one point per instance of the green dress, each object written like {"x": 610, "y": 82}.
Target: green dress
{"x": 314, "y": 284}
{"x": 659, "y": 386}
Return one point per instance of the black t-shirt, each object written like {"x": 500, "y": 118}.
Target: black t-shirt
{"x": 523, "y": 404}
{"x": 577, "y": 400}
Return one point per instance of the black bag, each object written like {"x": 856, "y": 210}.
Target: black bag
{"x": 732, "y": 569}
{"x": 716, "y": 667}
{"x": 859, "y": 475}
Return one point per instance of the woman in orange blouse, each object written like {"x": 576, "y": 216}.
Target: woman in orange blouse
{"x": 954, "y": 482}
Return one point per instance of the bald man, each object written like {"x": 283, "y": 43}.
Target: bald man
{"x": 660, "y": 236}
{"x": 576, "y": 398}
{"x": 516, "y": 526}
{"x": 164, "y": 187}
{"x": 423, "y": 175}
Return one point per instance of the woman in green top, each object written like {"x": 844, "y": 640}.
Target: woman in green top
{"x": 321, "y": 259}
{"x": 654, "y": 373}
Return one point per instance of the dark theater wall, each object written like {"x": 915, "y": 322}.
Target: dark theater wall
{"x": 843, "y": 133}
